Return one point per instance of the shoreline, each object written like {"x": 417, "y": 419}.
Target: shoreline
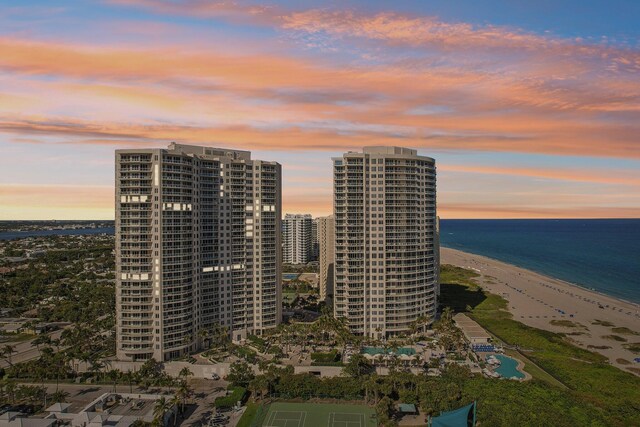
{"x": 590, "y": 319}
{"x": 548, "y": 276}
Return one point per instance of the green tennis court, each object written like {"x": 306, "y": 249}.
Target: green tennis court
{"x": 318, "y": 415}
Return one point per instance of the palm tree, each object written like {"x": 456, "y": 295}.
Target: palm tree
{"x": 185, "y": 373}
{"x": 184, "y": 392}
{"x": 7, "y": 352}
{"x": 205, "y": 336}
{"x": 42, "y": 339}
{"x": 260, "y": 385}
{"x": 113, "y": 375}
{"x": 59, "y": 396}
{"x": 186, "y": 341}
{"x": 129, "y": 377}
{"x": 174, "y": 403}
{"x": 10, "y": 387}
{"x": 161, "y": 407}
{"x": 447, "y": 316}
{"x": 96, "y": 366}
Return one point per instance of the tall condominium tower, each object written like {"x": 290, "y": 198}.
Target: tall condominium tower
{"x": 385, "y": 224}
{"x": 326, "y": 245}
{"x": 197, "y": 246}
{"x": 297, "y": 238}
{"x": 437, "y": 256}
{"x": 315, "y": 245}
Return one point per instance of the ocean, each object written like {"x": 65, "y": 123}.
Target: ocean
{"x": 598, "y": 254}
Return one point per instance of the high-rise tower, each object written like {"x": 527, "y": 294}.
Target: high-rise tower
{"x": 326, "y": 249}
{"x": 197, "y": 245}
{"x": 385, "y": 225}
{"x": 297, "y": 238}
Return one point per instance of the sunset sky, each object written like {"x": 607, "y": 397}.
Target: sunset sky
{"x": 531, "y": 108}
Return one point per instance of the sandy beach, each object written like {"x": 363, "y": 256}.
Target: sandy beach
{"x": 540, "y": 301}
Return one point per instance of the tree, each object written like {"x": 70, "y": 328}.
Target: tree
{"x": 59, "y": 396}
{"x": 260, "y": 386}
{"x": 205, "y": 337}
{"x": 7, "y": 352}
{"x": 114, "y": 375}
{"x": 447, "y": 316}
{"x": 129, "y": 378}
{"x": 9, "y": 388}
{"x": 159, "y": 410}
{"x": 150, "y": 369}
{"x": 42, "y": 339}
{"x": 384, "y": 411}
{"x": 240, "y": 373}
{"x": 185, "y": 373}
{"x": 183, "y": 393}
{"x": 96, "y": 367}
{"x": 174, "y": 403}
{"x": 358, "y": 366}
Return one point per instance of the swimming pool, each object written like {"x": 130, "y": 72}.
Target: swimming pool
{"x": 290, "y": 276}
{"x": 508, "y": 367}
{"x": 376, "y": 350}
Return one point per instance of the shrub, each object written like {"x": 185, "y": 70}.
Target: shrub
{"x": 238, "y": 394}
{"x": 331, "y": 356}
{"x": 327, "y": 364}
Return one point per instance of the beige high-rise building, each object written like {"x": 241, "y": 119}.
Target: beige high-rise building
{"x": 385, "y": 231}
{"x": 326, "y": 246}
{"x": 315, "y": 245}
{"x": 297, "y": 230}
{"x": 437, "y": 257}
{"x": 197, "y": 245}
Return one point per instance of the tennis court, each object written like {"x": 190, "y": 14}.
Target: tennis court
{"x": 318, "y": 415}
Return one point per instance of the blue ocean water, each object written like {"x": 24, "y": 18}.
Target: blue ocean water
{"x": 599, "y": 254}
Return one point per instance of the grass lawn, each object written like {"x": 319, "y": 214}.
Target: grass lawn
{"x": 249, "y": 415}
{"x": 318, "y": 415}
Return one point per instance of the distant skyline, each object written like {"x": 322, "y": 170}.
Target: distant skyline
{"x": 531, "y": 109}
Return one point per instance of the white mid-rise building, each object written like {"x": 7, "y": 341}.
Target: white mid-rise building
{"x": 197, "y": 247}
{"x": 385, "y": 240}
{"x": 297, "y": 238}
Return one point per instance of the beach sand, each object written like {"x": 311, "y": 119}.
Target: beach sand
{"x": 537, "y": 300}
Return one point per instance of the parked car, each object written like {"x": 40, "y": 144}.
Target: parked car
{"x": 218, "y": 417}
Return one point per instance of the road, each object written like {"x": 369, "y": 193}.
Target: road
{"x": 25, "y": 351}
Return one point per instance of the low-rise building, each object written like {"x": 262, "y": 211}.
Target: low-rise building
{"x": 110, "y": 409}
{"x": 16, "y": 419}
{"x": 473, "y": 332}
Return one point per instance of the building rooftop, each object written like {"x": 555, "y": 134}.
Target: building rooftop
{"x": 210, "y": 151}
{"x": 14, "y": 419}
{"x": 381, "y": 149}
{"x": 471, "y": 330}
{"x": 58, "y": 407}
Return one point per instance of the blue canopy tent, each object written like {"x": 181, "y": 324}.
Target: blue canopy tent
{"x": 461, "y": 417}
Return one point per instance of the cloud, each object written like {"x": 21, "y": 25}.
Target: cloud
{"x": 333, "y": 80}
{"x": 614, "y": 177}
{"x": 478, "y": 109}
